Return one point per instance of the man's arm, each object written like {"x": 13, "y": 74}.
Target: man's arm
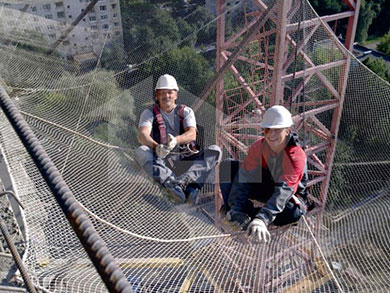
{"x": 188, "y": 136}
{"x": 292, "y": 165}
{"x": 145, "y": 138}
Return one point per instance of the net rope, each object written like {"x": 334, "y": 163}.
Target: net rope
{"x": 85, "y": 113}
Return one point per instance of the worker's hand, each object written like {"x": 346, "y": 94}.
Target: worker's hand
{"x": 258, "y": 230}
{"x": 172, "y": 142}
{"x": 162, "y": 151}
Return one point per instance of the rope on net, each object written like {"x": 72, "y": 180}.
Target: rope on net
{"x": 91, "y": 241}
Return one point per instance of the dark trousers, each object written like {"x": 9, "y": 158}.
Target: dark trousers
{"x": 260, "y": 191}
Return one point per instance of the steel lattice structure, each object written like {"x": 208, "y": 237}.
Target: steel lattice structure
{"x": 269, "y": 80}
{"x": 266, "y": 76}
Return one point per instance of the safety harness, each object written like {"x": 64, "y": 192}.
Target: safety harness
{"x": 159, "y": 129}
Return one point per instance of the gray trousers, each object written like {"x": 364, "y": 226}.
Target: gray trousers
{"x": 194, "y": 168}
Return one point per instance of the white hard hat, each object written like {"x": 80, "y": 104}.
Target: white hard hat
{"x": 276, "y": 117}
{"x": 168, "y": 82}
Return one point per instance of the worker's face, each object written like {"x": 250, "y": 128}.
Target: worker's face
{"x": 276, "y": 137}
{"x": 166, "y": 99}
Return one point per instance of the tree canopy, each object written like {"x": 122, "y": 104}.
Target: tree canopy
{"x": 384, "y": 44}
{"x": 379, "y": 66}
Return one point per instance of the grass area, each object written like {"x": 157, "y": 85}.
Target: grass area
{"x": 371, "y": 40}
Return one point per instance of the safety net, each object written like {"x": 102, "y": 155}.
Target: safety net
{"x": 81, "y": 73}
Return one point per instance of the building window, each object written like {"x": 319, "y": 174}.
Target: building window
{"x": 68, "y": 6}
{"x": 105, "y": 26}
{"x": 70, "y": 16}
{"x": 61, "y": 14}
{"x": 102, "y": 7}
{"x": 116, "y": 23}
{"x": 94, "y": 27}
{"x": 104, "y": 16}
{"x": 50, "y": 27}
{"x": 35, "y": 18}
{"x": 92, "y": 18}
{"x": 59, "y": 4}
{"x": 52, "y": 36}
{"x": 113, "y": 6}
{"x": 46, "y": 6}
{"x": 49, "y": 16}
{"x": 114, "y": 15}
{"x": 86, "y": 38}
{"x": 34, "y": 8}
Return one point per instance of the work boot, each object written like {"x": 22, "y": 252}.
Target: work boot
{"x": 192, "y": 192}
{"x": 176, "y": 193}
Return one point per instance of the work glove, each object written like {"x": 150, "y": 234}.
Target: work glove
{"x": 258, "y": 230}
{"x": 162, "y": 151}
{"x": 172, "y": 142}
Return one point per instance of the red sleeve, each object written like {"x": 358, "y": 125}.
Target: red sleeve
{"x": 293, "y": 165}
{"x": 253, "y": 159}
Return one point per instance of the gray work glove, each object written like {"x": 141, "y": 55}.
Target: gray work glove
{"x": 162, "y": 151}
{"x": 258, "y": 230}
{"x": 172, "y": 142}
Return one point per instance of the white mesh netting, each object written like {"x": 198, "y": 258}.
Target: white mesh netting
{"x": 85, "y": 114}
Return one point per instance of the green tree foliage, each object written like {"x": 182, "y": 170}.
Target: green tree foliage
{"x": 113, "y": 57}
{"x": 325, "y": 7}
{"x": 368, "y": 11}
{"x": 119, "y": 128}
{"x": 190, "y": 69}
{"x": 147, "y": 30}
{"x": 186, "y": 33}
{"x": 373, "y": 16}
{"x": 381, "y": 23}
{"x": 384, "y": 44}
{"x": 379, "y": 66}
{"x": 198, "y": 19}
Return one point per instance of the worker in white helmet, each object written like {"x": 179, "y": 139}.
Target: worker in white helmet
{"x": 274, "y": 172}
{"x": 167, "y": 133}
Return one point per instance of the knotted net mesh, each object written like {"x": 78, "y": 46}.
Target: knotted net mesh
{"x": 85, "y": 111}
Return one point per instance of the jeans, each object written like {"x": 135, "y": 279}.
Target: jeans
{"x": 195, "y": 168}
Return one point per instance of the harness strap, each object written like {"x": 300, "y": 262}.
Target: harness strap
{"x": 192, "y": 145}
{"x": 161, "y": 125}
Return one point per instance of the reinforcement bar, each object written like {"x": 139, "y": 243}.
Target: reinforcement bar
{"x": 97, "y": 250}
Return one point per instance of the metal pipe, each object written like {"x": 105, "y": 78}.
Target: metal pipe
{"x": 12, "y": 247}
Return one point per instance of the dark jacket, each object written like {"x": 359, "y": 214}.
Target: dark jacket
{"x": 277, "y": 177}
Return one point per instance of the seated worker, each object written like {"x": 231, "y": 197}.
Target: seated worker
{"x": 274, "y": 170}
{"x": 167, "y": 133}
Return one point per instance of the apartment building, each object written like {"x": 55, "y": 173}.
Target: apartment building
{"x": 44, "y": 22}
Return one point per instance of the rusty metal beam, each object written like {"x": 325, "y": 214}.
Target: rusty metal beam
{"x": 222, "y": 70}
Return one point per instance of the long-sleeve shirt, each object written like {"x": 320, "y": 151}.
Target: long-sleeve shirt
{"x": 283, "y": 174}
